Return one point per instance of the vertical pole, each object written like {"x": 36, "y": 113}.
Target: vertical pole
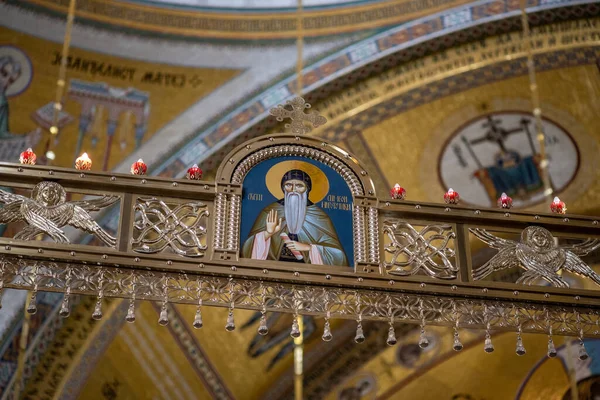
{"x": 60, "y": 83}
{"x": 84, "y": 123}
{"x": 535, "y": 100}
{"x": 298, "y": 359}
{"x": 22, "y": 351}
{"x": 300, "y": 49}
{"x": 110, "y": 131}
{"x": 299, "y": 341}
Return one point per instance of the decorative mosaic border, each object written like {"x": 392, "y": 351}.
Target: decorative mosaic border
{"x": 363, "y": 59}
{"x": 459, "y": 83}
{"x": 248, "y": 25}
{"x": 228, "y": 6}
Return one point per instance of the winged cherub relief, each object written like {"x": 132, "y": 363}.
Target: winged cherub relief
{"x": 47, "y": 212}
{"x": 538, "y": 254}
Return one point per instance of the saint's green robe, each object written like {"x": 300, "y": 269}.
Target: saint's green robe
{"x": 316, "y": 230}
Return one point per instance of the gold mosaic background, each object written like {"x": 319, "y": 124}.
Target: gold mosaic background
{"x": 168, "y": 98}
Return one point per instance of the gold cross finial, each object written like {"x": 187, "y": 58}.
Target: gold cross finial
{"x": 294, "y": 110}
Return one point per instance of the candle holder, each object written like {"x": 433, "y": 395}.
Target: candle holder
{"x": 558, "y": 207}
{"x": 28, "y": 157}
{"x": 505, "y": 201}
{"x": 83, "y": 163}
{"x": 451, "y": 197}
{"x": 398, "y": 192}
{"x": 194, "y": 173}
{"x": 139, "y": 167}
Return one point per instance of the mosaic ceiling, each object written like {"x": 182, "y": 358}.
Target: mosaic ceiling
{"x": 402, "y": 106}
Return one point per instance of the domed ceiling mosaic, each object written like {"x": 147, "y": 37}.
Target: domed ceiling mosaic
{"x": 433, "y": 97}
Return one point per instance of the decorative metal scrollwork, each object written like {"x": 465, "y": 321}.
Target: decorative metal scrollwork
{"x": 106, "y": 281}
{"x": 415, "y": 251}
{"x": 538, "y": 254}
{"x": 47, "y": 211}
{"x": 181, "y": 228}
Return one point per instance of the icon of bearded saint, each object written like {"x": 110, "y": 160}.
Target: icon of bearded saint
{"x": 294, "y": 229}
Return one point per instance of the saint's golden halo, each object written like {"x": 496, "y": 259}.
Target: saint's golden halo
{"x": 320, "y": 183}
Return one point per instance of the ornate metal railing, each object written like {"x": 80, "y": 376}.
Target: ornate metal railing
{"x": 173, "y": 240}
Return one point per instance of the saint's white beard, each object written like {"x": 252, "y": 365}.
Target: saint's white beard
{"x": 295, "y": 210}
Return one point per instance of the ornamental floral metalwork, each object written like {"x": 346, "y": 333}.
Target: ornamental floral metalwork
{"x": 336, "y": 302}
{"x": 180, "y": 227}
{"x": 414, "y": 251}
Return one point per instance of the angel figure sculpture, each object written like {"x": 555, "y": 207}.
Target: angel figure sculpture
{"x": 47, "y": 212}
{"x": 538, "y": 254}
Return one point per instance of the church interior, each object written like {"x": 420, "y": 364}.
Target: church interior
{"x": 427, "y": 94}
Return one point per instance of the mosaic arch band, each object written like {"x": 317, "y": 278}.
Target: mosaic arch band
{"x": 300, "y": 224}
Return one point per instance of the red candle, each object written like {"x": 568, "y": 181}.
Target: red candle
{"x": 83, "y": 163}
{"x": 194, "y": 173}
{"x": 139, "y": 167}
{"x": 451, "y": 197}
{"x": 28, "y": 157}
{"x": 557, "y": 206}
{"x": 504, "y": 201}
{"x": 398, "y": 192}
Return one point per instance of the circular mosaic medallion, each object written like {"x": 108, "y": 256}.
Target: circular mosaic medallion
{"x": 16, "y": 70}
{"x": 498, "y": 153}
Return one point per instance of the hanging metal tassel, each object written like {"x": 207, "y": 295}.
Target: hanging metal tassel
{"x": 488, "y": 346}
{"x": 520, "y": 350}
{"x": 263, "y": 329}
{"x": 197, "y": 324}
{"x": 423, "y": 341}
{"x": 583, "y": 354}
{"x": 198, "y": 317}
{"x": 360, "y": 336}
{"x": 32, "y": 307}
{"x": 230, "y": 325}
{"x": 97, "y": 314}
{"x": 295, "y": 332}
{"x": 551, "y": 348}
{"x": 163, "y": 318}
{"x": 64, "y": 308}
{"x": 456, "y": 345}
{"x": 327, "y": 336}
{"x": 130, "y": 317}
{"x": 391, "y": 339}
